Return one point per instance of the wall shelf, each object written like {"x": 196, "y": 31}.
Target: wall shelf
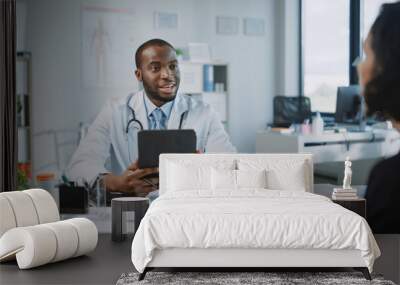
{"x": 209, "y": 82}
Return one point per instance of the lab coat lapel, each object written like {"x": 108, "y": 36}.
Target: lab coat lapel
{"x": 180, "y": 107}
{"x": 137, "y": 103}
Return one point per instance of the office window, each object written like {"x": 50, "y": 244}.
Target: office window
{"x": 325, "y": 43}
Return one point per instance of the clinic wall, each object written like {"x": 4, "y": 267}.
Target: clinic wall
{"x": 61, "y": 101}
{"x": 287, "y": 46}
{"x": 251, "y": 65}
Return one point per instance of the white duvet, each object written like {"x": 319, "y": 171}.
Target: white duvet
{"x": 250, "y": 219}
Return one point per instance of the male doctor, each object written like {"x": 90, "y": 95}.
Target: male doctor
{"x": 110, "y": 146}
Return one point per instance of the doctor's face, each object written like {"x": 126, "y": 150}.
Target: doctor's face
{"x": 367, "y": 66}
{"x": 159, "y": 73}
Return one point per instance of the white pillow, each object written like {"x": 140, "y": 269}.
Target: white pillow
{"x": 223, "y": 179}
{"x": 290, "y": 179}
{"x": 193, "y": 174}
{"x": 281, "y": 174}
{"x": 183, "y": 177}
{"x": 236, "y": 179}
{"x": 251, "y": 178}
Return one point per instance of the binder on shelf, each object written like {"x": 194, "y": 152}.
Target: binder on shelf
{"x": 208, "y": 78}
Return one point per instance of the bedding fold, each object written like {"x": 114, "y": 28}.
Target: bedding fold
{"x": 250, "y": 218}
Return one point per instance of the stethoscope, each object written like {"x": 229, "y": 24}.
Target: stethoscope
{"x": 133, "y": 120}
{"x": 139, "y": 123}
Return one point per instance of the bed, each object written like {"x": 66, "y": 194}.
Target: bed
{"x": 247, "y": 210}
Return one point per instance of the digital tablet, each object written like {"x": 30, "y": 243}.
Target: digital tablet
{"x": 151, "y": 143}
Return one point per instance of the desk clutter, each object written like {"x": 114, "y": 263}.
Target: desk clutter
{"x": 31, "y": 231}
{"x": 76, "y": 199}
{"x": 73, "y": 199}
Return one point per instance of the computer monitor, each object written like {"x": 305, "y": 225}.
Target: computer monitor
{"x": 349, "y": 105}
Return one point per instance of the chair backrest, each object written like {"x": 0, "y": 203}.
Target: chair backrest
{"x": 289, "y": 169}
{"x": 26, "y": 208}
{"x": 289, "y": 110}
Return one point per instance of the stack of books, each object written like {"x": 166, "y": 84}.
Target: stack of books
{"x": 344, "y": 194}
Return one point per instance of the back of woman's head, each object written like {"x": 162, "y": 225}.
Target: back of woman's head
{"x": 382, "y": 92}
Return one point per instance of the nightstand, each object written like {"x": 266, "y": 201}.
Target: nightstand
{"x": 127, "y": 213}
{"x": 358, "y": 205}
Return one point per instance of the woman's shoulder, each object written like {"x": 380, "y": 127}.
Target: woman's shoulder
{"x": 387, "y": 166}
{"x": 384, "y": 178}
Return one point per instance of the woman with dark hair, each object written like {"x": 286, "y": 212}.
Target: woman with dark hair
{"x": 379, "y": 75}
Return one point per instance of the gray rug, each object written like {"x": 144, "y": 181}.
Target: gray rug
{"x": 225, "y": 278}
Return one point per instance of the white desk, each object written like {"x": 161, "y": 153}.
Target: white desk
{"x": 330, "y": 146}
{"x": 100, "y": 216}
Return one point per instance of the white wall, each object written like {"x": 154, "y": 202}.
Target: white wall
{"x": 287, "y": 42}
{"x": 251, "y": 65}
{"x": 21, "y": 8}
{"x": 61, "y": 99}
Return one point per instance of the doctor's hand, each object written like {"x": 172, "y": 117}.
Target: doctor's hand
{"x": 131, "y": 181}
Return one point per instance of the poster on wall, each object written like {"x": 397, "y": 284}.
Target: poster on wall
{"x": 107, "y": 47}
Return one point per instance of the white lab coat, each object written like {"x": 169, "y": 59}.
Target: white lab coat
{"x": 107, "y": 148}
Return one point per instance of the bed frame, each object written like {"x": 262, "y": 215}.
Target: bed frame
{"x": 242, "y": 259}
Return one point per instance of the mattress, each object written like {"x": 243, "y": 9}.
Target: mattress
{"x": 251, "y": 219}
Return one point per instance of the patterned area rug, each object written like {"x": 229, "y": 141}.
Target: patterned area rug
{"x": 275, "y": 278}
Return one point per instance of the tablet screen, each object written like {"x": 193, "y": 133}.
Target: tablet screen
{"x": 151, "y": 143}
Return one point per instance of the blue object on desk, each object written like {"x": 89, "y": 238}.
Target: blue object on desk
{"x": 208, "y": 78}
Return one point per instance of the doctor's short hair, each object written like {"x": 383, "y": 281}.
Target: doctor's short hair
{"x": 147, "y": 44}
